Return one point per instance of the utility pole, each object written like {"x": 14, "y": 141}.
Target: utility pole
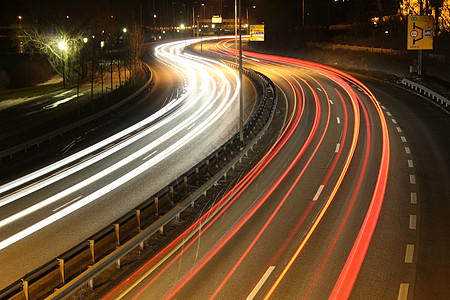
{"x": 303, "y": 12}
{"x": 235, "y": 28}
{"x": 241, "y": 91}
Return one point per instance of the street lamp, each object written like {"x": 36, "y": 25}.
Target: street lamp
{"x": 238, "y": 21}
{"x": 62, "y": 45}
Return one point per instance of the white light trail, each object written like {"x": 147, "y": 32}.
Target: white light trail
{"x": 220, "y": 99}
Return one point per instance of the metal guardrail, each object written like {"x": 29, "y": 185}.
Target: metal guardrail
{"x": 48, "y": 136}
{"x": 424, "y": 91}
{"x": 70, "y": 280}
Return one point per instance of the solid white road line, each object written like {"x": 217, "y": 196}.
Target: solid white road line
{"x": 409, "y": 253}
{"x": 260, "y": 283}
{"x": 319, "y": 191}
{"x": 70, "y": 202}
{"x": 151, "y": 154}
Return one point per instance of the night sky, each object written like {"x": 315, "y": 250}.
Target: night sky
{"x": 280, "y": 10}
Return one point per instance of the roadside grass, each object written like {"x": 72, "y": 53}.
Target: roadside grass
{"x": 29, "y": 92}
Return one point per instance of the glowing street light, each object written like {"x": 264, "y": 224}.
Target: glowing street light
{"x": 124, "y": 30}
{"x": 62, "y": 45}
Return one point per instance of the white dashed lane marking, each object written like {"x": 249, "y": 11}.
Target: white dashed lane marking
{"x": 337, "y": 148}
{"x": 412, "y": 221}
{"x": 413, "y": 198}
{"x": 260, "y": 283}
{"x": 403, "y": 291}
{"x": 319, "y": 191}
{"x": 409, "y": 253}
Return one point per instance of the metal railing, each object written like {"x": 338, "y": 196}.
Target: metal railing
{"x": 426, "y": 92}
{"x": 78, "y": 266}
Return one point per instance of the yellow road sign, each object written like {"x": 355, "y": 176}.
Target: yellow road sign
{"x": 420, "y": 33}
{"x": 256, "y": 33}
{"x": 216, "y": 19}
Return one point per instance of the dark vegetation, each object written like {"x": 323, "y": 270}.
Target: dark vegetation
{"x": 18, "y": 71}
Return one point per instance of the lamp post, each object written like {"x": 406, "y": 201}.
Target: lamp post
{"x": 193, "y": 21}
{"x": 201, "y": 34}
{"x": 241, "y": 91}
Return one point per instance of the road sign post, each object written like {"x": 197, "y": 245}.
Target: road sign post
{"x": 420, "y": 36}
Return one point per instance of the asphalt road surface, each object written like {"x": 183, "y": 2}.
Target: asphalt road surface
{"x": 48, "y": 210}
{"x": 350, "y": 201}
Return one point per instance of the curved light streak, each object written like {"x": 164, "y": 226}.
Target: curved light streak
{"x": 349, "y": 273}
{"x": 351, "y": 270}
{"x": 224, "y": 98}
{"x": 163, "y": 52}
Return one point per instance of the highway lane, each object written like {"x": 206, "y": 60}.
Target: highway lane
{"x": 322, "y": 154}
{"x": 336, "y": 215}
{"x": 46, "y": 213}
{"x": 418, "y": 218}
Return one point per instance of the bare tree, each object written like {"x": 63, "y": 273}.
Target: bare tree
{"x": 136, "y": 45}
{"x": 61, "y": 48}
